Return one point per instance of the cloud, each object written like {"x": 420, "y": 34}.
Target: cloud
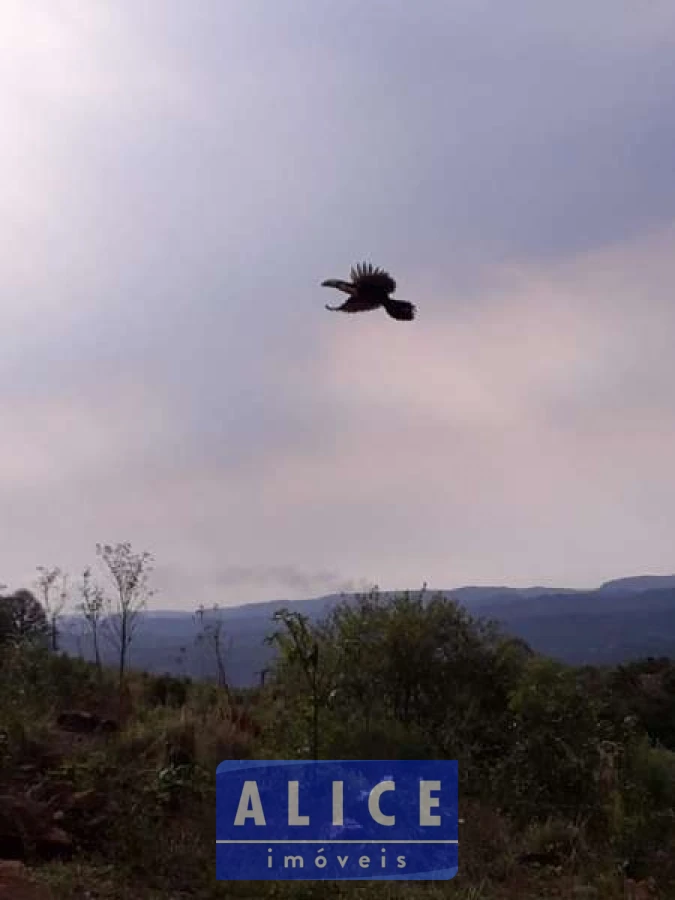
{"x": 176, "y": 184}
{"x": 287, "y": 576}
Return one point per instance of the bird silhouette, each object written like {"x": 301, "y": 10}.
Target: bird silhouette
{"x": 370, "y": 288}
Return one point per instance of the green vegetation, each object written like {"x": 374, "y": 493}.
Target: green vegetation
{"x": 567, "y": 775}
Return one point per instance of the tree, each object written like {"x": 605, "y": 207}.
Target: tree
{"x": 556, "y": 736}
{"x": 22, "y": 618}
{"x": 213, "y": 636}
{"x": 129, "y": 573}
{"x": 92, "y": 606}
{"x": 356, "y": 630}
{"x": 419, "y": 670}
{"x": 53, "y": 603}
{"x": 302, "y": 647}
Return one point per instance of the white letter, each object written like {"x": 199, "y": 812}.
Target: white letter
{"x": 338, "y": 803}
{"x": 374, "y": 803}
{"x": 294, "y": 817}
{"x": 426, "y": 802}
{"x": 249, "y": 794}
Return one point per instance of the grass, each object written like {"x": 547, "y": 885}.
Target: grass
{"x": 147, "y": 829}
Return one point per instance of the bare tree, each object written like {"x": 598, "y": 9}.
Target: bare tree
{"x": 78, "y": 632}
{"x": 129, "y": 573}
{"x": 213, "y": 636}
{"x": 179, "y": 659}
{"x": 263, "y": 673}
{"x": 92, "y": 606}
{"x": 52, "y": 601}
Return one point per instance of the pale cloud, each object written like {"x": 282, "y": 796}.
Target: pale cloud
{"x": 175, "y": 182}
{"x": 287, "y": 577}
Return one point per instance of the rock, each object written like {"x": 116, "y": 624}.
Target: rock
{"x": 84, "y": 801}
{"x": 639, "y": 890}
{"x": 16, "y": 822}
{"x": 81, "y": 722}
{"x": 546, "y": 858}
{"x": 585, "y": 892}
{"x": 15, "y": 884}
{"x": 109, "y": 726}
{"x": 55, "y": 793}
{"x": 85, "y": 722}
{"x": 26, "y": 830}
{"x": 11, "y": 846}
{"x": 54, "y": 844}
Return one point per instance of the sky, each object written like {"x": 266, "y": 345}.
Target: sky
{"x": 177, "y": 179}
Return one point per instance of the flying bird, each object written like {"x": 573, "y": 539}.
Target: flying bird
{"x": 369, "y": 289}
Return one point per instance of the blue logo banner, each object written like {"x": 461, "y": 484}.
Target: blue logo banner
{"x": 336, "y": 819}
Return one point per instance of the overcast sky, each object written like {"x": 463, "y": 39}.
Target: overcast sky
{"x": 176, "y": 179}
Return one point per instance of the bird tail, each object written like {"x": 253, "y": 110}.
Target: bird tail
{"x": 400, "y": 309}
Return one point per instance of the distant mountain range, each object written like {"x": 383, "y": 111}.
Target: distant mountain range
{"x": 624, "y": 619}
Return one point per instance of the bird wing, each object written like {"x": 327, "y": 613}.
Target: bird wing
{"x": 364, "y": 275}
{"x": 356, "y": 304}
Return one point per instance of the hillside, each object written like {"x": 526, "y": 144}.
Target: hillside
{"x": 623, "y": 619}
{"x": 567, "y": 776}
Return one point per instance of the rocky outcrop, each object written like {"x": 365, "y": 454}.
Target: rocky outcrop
{"x": 85, "y": 722}
{"x": 28, "y": 830}
{"x": 16, "y": 884}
